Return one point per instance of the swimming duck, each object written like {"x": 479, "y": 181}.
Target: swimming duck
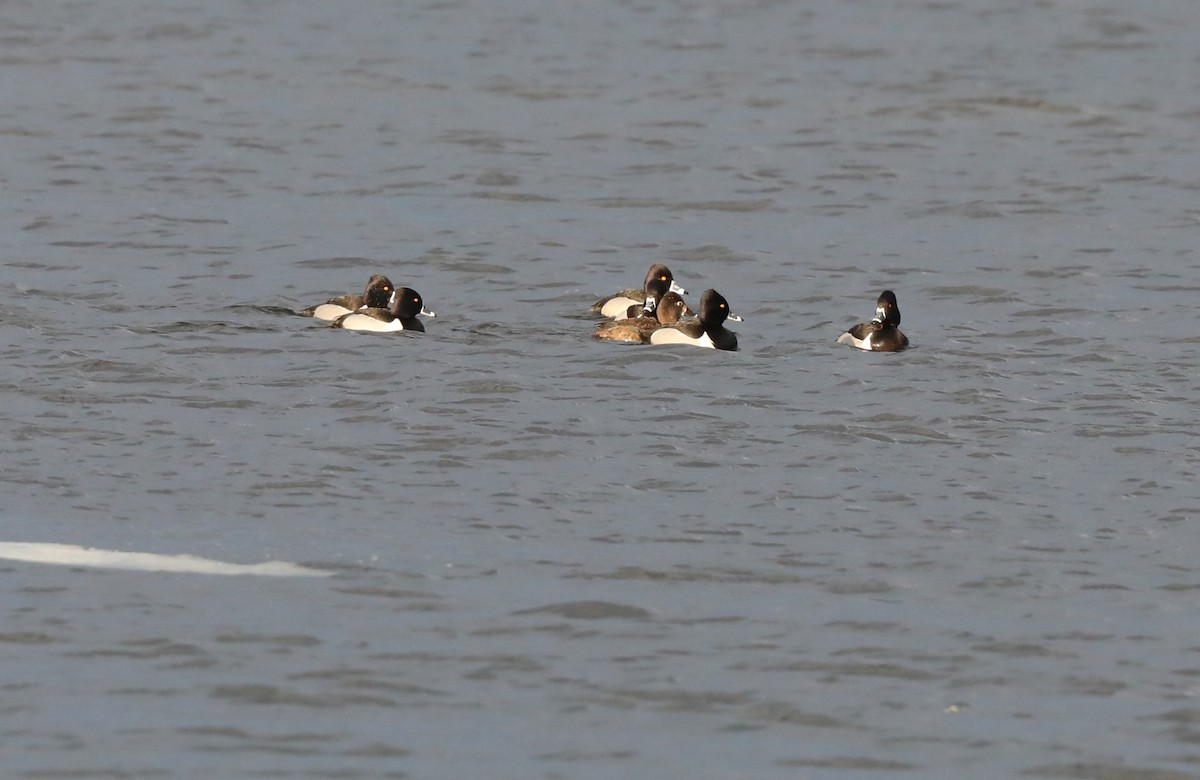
{"x": 617, "y": 306}
{"x": 882, "y": 333}
{"x": 400, "y": 315}
{"x": 636, "y": 330}
{"x": 377, "y": 294}
{"x": 708, "y": 330}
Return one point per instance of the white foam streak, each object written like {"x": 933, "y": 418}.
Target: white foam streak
{"x": 74, "y": 555}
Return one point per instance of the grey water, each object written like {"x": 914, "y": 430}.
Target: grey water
{"x": 555, "y": 557}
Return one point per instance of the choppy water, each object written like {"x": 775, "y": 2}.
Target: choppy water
{"x": 555, "y": 557}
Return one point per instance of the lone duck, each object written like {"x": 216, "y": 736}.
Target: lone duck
{"x": 881, "y": 334}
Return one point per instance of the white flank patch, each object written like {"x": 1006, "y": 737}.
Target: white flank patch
{"x": 676, "y": 336}
{"x": 366, "y": 322}
{"x": 74, "y": 555}
{"x": 848, "y": 338}
{"x": 617, "y": 306}
{"x": 329, "y": 311}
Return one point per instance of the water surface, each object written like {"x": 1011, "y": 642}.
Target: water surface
{"x": 554, "y": 557}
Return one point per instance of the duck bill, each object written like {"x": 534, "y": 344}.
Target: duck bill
{"x": 427, "y": 313}
{"x": 677, "y": 289}
{"x": 735, "y": 318}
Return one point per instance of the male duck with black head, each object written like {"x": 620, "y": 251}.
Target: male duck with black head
{"x": 881, "y": 334}
{"x": 400, "y": 315}
{"x": 707, "y": 330}
{"x": 619, "y": 306}
{"x": 637, "y": 330}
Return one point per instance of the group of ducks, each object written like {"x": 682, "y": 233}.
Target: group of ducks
{"x": 655, "y": 314}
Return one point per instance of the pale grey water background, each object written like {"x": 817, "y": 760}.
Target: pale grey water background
{"x": 560, "y": 558}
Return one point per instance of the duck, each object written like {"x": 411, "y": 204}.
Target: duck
{"x": 707, "y": 330}
{"x": 377, "y": 294}
{"x": 637, "y": 330}
{"x": 618, "y": 306}
{"x": 656, "y": 286}
{"x": 400, "y": 315}
{"x": 881, "y": 334}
